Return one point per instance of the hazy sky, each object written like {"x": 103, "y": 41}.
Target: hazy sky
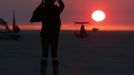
{"x": 117, "y": 11}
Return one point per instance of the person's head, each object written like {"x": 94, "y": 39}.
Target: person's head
{"x": 49, "y": 1}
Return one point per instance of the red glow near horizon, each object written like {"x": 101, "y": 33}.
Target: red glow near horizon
{"x": 77, "y": 27}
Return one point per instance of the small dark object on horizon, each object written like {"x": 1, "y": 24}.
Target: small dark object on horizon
{"x": 95, "y": 29}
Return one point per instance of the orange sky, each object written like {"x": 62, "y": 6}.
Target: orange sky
{"x": 87, "y": 27}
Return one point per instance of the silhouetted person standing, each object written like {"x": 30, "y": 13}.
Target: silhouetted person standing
{"x": 82, "y": 29}
{"x": 50, "y": 33}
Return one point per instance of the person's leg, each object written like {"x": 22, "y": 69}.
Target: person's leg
{"x": 54, "y": 40}
{"x": 55, "y": 64}
{"x": 44, "y": 45}
{"x": 54, "y": 45}
{"x": 43, "y": 67}
{"x": 45, "y": 48}
{"x": 54, "y": 52}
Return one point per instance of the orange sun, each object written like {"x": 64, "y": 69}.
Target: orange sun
{"x": 98, "y": 15}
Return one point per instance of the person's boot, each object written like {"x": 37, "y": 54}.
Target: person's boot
{"x": 55, "y": 64}
{"x": 43, "y": 67}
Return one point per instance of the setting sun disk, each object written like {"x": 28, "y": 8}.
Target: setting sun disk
{"x": 98, "y": 15}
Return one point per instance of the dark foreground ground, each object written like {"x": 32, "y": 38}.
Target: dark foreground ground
{"x": 101, "y": 53}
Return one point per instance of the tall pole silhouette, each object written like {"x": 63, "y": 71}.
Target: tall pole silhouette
{"x": 14, "y": 22}
{"x": 15, "y": 27}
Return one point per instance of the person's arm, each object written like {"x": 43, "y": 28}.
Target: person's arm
{"x": 61, "y": 5}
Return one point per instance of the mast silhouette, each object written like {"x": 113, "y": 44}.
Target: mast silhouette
{"x": 14, "y": 22}
{"x": 15, "y": 27}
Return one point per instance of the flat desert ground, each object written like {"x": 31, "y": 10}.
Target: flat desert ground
{"x": 101, "y": 53}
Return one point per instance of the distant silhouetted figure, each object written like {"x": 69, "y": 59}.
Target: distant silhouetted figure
{"x": 82, "y": 29}
{"x": 82, "y": 33}
{"x": 50, "y": 33}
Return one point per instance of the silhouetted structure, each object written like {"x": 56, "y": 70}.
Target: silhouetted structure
{"x": 49, "y": 14}
{"x": 7, "y": 33}
{"x": 15, "y": 29}
{"x": 82, "y": 33}
{"x": 4, "y": 23}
